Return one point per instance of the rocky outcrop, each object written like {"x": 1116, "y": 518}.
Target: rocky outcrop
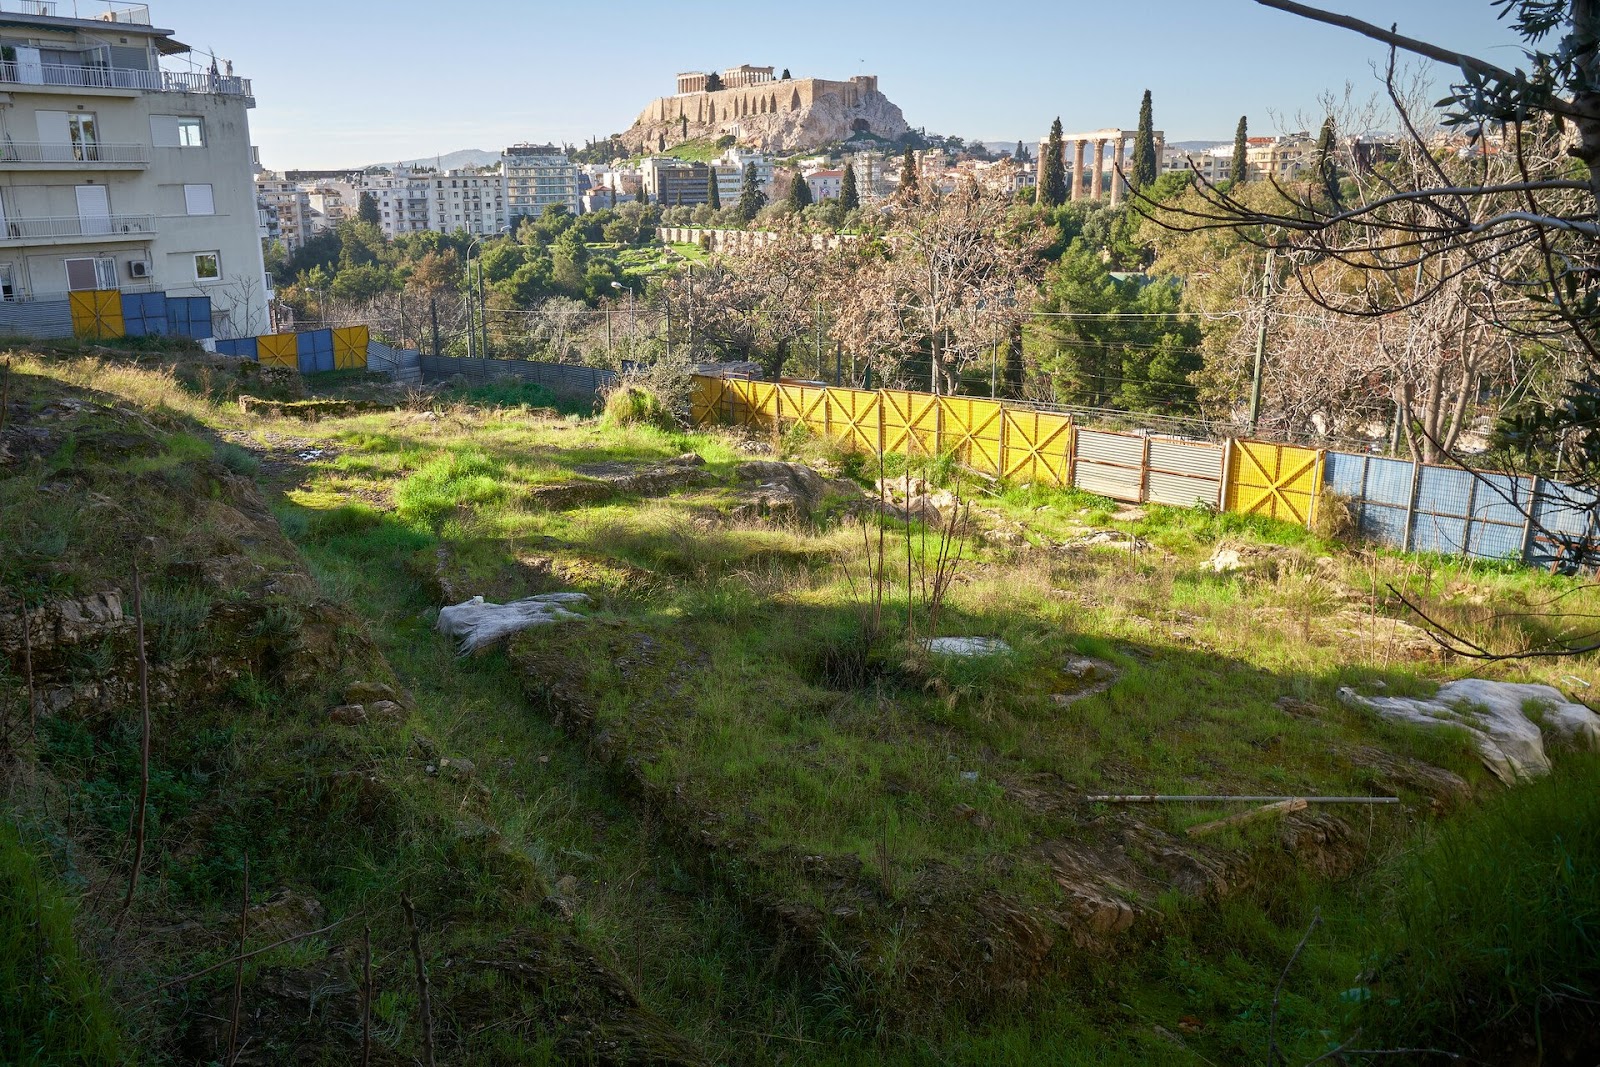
{"x": 783, "y": 116}
{"x": 1506, "y": 721}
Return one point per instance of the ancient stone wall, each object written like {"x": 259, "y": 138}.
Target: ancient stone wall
{"x": 800, "y": 113}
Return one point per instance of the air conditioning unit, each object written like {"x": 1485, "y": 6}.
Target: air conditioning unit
{"x": 139, "y": 268}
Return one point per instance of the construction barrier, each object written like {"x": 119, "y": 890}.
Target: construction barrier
{"x": 309, "y": 353}
{"x": 1277, "y": 481}
{"x": 97, "y": 314}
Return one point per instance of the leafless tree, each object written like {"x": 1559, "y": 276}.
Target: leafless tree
{"x": 950, "y": 276}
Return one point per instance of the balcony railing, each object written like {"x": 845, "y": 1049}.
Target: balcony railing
{"x": 72, "y": 155}
{"x": 132, "y": 227}
{"x": 99, "y": 77}
{"x": 133, "y": 14}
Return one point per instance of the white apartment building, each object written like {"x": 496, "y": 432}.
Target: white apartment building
{"x": 402, "y": 199}
{"x": 117, "y": 173}
{"x": 538, "y": 175}
{"x": 730, "y": 174}
{"x": 331, "y": 203}
{"x": 290, "y": 204}
{"x": 468, "y": 200}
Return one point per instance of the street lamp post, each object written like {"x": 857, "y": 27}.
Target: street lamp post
{"x": 483, "y": 308}
{"x": 629, "y": 288}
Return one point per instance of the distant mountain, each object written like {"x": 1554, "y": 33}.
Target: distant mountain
{"x": 466, "y": 157}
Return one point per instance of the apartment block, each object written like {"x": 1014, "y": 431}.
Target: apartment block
{"x": 119, "y": 172}
{"x": 402, "y": 199}
{"x": 468, "y": 200}
{"x": 538, "y": 175}
{"x": 290, "y": 205}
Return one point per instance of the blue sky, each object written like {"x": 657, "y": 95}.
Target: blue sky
{"x": 342, "y": 83}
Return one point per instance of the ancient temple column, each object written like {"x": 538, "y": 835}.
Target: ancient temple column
{"x": 1116, "y": 172}
{"x": 1038, "y": 165}
{"x": 1099, "y": 168}
{"x": 1077, "y": 169}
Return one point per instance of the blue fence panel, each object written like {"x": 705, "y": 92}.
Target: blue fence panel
{"x": 1499, "y": 515}
{"x": 1444, "y": 500}
{"x": 1563, "y": 525}
{"x": 243, "y": 347}
{"x": 1377, "y": 489}
{"x": 144, "y": 314}
{"x": 189, "y": 316}
{"x": 315, "y": 350}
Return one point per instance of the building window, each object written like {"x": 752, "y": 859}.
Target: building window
{"x": 198, "y": 200}
{"x": 91, "y": 273}
{"x": 8, "y": 285}
{"x": 207, "y": 267}
{"x": 191, "y": 133}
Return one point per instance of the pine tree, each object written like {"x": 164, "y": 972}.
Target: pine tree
{"x": 713, "y": 194}
{"x": 368, "y": 209}
{"x": 1052, "y": 191}
{"x": 1145, "y": 164}
{"x": 799, "y": 192}
{"x": 849, "y": 196}
{"x": 1327, "y": 167}
{"x": 751, "y": 198}
{"x": 910, "y": 181}
{"x": 1241, "y": 154}
{"x": 785, "y": 76}
{"x": 713, "y": 83}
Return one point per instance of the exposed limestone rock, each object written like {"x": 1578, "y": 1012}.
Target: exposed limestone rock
{"x": 477, "y": 622}
{"x": 786, "y": 490}
{"x": 1496, "y": 716}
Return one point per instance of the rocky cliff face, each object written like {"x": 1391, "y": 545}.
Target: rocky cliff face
{"x": 827, "y": 119}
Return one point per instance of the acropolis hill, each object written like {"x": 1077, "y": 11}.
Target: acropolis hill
{"x": 764, "y": 112}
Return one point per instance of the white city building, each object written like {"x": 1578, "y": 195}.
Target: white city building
{"x": 538, "y": 175}
{"x": 468, "y": 200}
{"x": 402, "y": 199}
{"x": 118, "y": 173}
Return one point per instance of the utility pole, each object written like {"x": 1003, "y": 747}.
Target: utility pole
{"x": 1261, "y": 343}
{"x": 433, "y": 309}
{"x": 816, "y": 323}
{"x": 483, "y": 309}
{"x": 472, "y": 329}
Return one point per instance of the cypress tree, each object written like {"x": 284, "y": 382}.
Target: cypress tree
{"x": 1145, "y": 164}
{"x": 909, "y": 179}
{"x": 849, "y": 195}
{"x": 713, "y": 83}
{"x": 1021, "y": 154}
{"x": 1327, "y": 166}
{"x": 1052, "y": 191}
{"x": 799, "y": 192}
{"x": 751, "y": 198}
{"x": 1241, "y": 156}
{"x": 713, "y": 194}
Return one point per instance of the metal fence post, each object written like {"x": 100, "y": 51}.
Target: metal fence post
{"x": 1527, "y": 522}
{"x": 1411, "y": 505}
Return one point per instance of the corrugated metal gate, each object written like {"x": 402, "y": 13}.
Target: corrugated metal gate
{"x": 1183, "y": 473}
{"x": 1110, "y": 464}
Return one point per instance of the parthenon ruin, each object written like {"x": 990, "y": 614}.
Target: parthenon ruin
{"x": 1078, "y": 184}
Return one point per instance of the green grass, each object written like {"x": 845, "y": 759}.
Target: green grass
{"x": 754, "y": 742}
{"x": 52, "y": 1007}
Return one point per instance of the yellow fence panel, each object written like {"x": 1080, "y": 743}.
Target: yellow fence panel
{"x": 704, "y": 400}
{"x": 763, "y": 400}
{"x": 855, "y": 417}
{"x": 350, "y": 347}
{"x": 742, "y": 411}
{"x": 1279, "y": 481}
{"x": 97, "y": 313}
{"x": 790, "y": 401}
{"x": 1038, "y": 448}
{"x": 279, "y": 350}
{"x": 973, "y": 430}
{"x": 910, "y": 423}
{"x": 812, "y": 409}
